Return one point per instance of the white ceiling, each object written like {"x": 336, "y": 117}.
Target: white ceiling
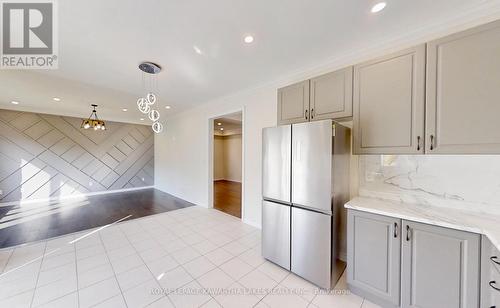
{"x": 102, "y": 42}
{"x": 231, "y": 124}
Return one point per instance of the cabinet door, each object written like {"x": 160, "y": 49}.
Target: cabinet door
{"x": 373, "y": 257}
{"x": 293, "y": 103}
{"x": 331, "y": 95}
{"x": 463, "y": 92}
{"x": 440, "y": 267}
{"x": 389, "y": 95}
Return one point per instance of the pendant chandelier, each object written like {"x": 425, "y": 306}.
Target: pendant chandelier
{"x": 93, "y": 121}
{"x": 148, "y": 103}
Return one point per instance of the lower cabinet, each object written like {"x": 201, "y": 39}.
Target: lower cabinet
{"x": 440, "y": 267}
{"x": 399, "y": 263}
{"x": 374, "y": 257}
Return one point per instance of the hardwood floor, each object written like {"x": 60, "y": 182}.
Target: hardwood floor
{"x": 227, "y": 197}
{"x": 33, "y": 222}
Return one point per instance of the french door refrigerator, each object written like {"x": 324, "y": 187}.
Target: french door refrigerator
{"x": 305, "y": 185}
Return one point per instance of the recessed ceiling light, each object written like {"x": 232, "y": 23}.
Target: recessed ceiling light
{"x": 167, "y": 107}
{"x": 197, "y": 50}
{"x": 219, "y": 123}
{"x": 378, "y": 7}
{"x": 14, "y": 103}
{"x": 142, "y": 119}
{"x": 222, "y": 128}
{"x": 124, "y": 109}
{"x": 57, "y": 99}
{"x": 248, "y": 39}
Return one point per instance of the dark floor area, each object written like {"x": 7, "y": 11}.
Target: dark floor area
{"x": 27, "y": 223}
{"x": 227, "y": 197}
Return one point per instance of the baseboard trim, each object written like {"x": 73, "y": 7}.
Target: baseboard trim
{"x": 81, "y": 195}
{"x": 251, "y": 223}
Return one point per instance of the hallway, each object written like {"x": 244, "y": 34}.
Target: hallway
{"x": 227, "y": 197}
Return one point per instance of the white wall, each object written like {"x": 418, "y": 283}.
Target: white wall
{"x": 184, "y": 164}
{"x": 232, "y": 158}
{"x": 219, "y": 169}
{"x": 182, "y": 161}
{"x": 227, "y": 158}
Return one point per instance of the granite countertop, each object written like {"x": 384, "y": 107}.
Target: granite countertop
{"x": 477, "y": 222}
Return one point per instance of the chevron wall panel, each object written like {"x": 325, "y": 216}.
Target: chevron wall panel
{"x": 43, "y": 156}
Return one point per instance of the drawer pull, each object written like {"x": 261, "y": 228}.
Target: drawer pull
{"x": 493, "y": 285}
{"x": 494, "y": 260}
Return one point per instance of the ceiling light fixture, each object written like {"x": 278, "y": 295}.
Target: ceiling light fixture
{"x": 145, "y": 104}
{"x": 142, "y": 119}
{"x": 124, "y": 109}
{"x": 248, "y": 39}
{"x": 219, "y": 123}
{"x": 57, "y": 99}
{"x": 222, "y": 128}
{"x": 378, "y": 7}
{"x": 197, "y": 50}
{"x": 93, "y": 121}
{"x": 15, "y": 102}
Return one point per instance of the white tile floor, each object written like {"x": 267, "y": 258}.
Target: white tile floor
{"x": 192, "y": 257}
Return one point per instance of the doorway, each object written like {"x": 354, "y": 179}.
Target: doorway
{"x": 227, "y": 164}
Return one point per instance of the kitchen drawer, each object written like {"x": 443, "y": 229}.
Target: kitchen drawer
{"x": 490, "y": 275}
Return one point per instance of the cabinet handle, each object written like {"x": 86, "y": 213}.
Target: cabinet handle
{"x": 493, "y": 285}
{"x": 418, "y": 143}
{"x": 407, "y": 233}
{"x": 306, "y": 114}
{"x": 432, "y": 142}
{"x": 493, "y": 259}
{"x": 395, "y": 230}
{"x": 312, "y": 113}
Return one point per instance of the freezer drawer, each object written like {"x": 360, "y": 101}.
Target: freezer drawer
{"x": 311, "y": 246}
{"x": 276, "y": 163}
{"x": 276, "y": 233}
{"x": 312, "y": 165}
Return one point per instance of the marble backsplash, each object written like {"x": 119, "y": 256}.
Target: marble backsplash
{"x": 468, "y": 182}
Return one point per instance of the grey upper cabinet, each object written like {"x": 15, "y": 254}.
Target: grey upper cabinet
{"x": 440, "y": 267}
{"x": 293, "y": 103}
{"x": 389, "y": 101}
{"x": 373, "y": 257}
{"x": 331, "y": 95}
{"x": 463, "y": 92}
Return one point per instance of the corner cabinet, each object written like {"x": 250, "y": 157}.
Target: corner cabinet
{"x": 406, "y": 264}
{"x": 389, "y": 102}
{"x": 463, "y": 92}
{"x": 325, "y": 97}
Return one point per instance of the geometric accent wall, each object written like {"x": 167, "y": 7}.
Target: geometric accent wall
{"x": 43, "y": 156}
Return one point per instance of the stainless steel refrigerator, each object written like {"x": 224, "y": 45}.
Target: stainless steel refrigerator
{"x": 305, "y": 185}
